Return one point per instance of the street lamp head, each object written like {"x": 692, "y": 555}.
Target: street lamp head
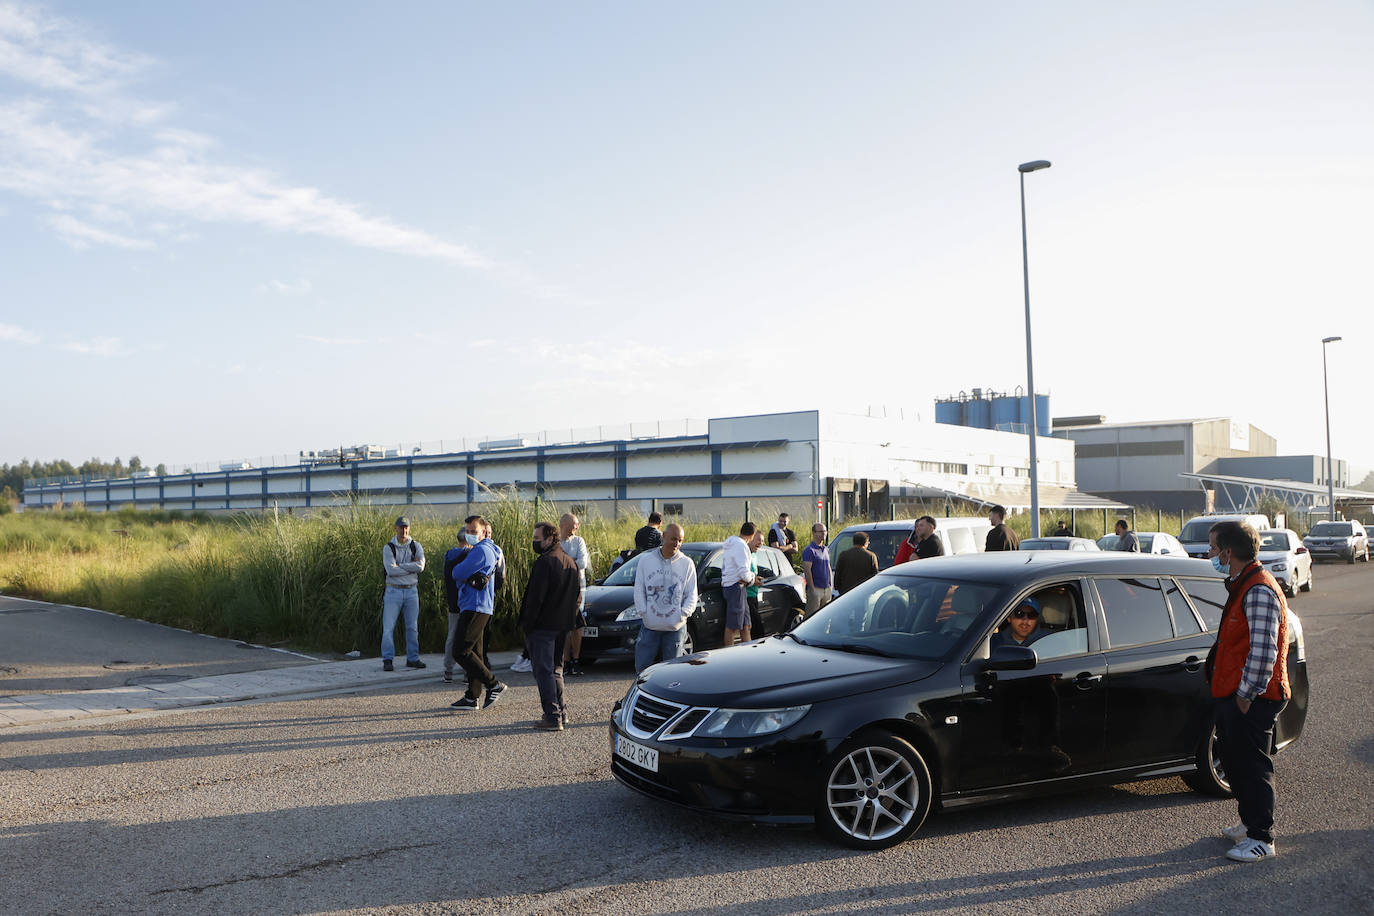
{"x": 1327, "y": 340}
{"x": 1033, "y": 166}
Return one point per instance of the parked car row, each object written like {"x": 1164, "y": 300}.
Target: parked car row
{"x": 900, "y": 696}
{"x": 613, "y": 622}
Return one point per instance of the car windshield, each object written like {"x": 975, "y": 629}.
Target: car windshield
{"x": 900, "y": 617}
{"x": 1196, "y": 532}
{"x": 1332, "y": 530}
{"x": 1274, "y": 540}
{"x": 1044, "y": 544}
{"x": 625, "y": 575}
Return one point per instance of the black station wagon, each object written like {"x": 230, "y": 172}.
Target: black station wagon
{"x": 613, "y": 623}
{"x": 904, "y": 693}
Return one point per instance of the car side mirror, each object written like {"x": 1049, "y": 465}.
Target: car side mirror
{"x": 599, "y": 581}
{"x": 1009, "y": 658}
{"x": 1301, "y": 550}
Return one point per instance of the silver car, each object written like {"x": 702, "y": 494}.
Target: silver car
{"x": 1340, "y": 540}
{"x": 1283, "y": 554}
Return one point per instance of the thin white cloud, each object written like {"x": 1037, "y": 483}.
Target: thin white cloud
{"x": 287, "y": 288}
{"x": 98, "y": 346}
{"x": 82, "y": 235}
{"x": 92, "y": 146}
{"x": 10, "y": 333}
{"x": 333, "y": 341}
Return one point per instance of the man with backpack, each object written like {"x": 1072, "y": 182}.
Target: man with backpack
{"x": 455, "y": 556}
{"x": 403, "y": 559}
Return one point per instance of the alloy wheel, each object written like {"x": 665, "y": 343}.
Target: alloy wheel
{"x": 873, "y": 793}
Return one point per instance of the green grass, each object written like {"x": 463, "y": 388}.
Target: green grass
{"x": 311, "y": 582}
{"x": 316, "y": 582}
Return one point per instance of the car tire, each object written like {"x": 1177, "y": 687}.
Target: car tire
{"x": 874, "y": 792}
{"x": 689, "y": 641}
{"x": 1209, "y": 778}
{"x": 1365, "y": 558}
{"x": 1351, "y": 559}
{"x": 1307, "y": 586}
{"x": 794, "y": 621}
{"x": 1289, "y": 589}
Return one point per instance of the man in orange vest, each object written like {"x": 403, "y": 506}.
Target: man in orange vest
{"x": 1249, "y": 679}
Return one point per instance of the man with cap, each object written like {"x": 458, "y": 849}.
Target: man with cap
{"x": 1022, "y": 627}
{"x": 403, "y": 559}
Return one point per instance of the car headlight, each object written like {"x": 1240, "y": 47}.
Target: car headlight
{"x": 1278, "y": 567}
{"x": 744, "y": 723}
{"x": 630, "y": 613}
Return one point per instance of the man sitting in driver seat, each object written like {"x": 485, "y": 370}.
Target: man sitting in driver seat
{"x": 1022, "y": 626}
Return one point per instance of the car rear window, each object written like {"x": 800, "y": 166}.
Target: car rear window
{"x": 1209, "y": 597}
{"x": 1196, "y": 532}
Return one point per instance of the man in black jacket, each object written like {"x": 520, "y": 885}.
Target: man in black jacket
{"x": 547, "y": 613}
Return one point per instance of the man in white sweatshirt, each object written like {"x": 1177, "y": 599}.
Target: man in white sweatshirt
{"x": 665, "y": 596}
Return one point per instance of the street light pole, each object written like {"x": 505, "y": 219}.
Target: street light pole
{"x": 1326, "y": 398}
{"x": 1023, "y": 168}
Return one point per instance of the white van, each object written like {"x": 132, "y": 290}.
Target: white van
{"x": 1194, "y": 533}
{"x": 958, "y": 535}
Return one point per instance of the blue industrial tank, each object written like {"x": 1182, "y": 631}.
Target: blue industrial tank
{"x": 951, "y": 412}
{"x": 977, "y": 413}
{"x": 1006, "y": 412}
{"x": 1042, "y": 413}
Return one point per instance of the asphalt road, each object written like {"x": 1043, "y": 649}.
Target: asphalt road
{"x": 390, "y": 802}
{"x": 52, "y": 647}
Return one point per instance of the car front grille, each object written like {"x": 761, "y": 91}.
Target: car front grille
{"x": 649, "y": 713}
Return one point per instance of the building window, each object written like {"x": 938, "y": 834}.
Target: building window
{"x": 672, "y": 508}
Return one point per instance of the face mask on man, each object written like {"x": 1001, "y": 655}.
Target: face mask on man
{"x": 471, "y": 538}
{"x": 539, "y": 546}
{"x": 1217, "y": 565}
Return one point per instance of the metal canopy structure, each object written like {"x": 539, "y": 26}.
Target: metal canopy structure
{"x": 1051, "y": 498}
{"x": 1244, "y": 493}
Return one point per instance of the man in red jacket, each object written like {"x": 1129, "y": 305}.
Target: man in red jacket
{"x": 1249, "y": 679}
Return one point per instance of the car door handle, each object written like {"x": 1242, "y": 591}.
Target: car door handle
{"x": 1086, "y": 681}
{"x": 1192, "y": 663}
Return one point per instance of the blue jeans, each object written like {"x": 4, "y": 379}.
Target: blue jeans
{"x": 396, "y": 601}
{"x": 652, "y": 643}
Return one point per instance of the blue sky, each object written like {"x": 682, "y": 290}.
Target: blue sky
{"x": 234, "y": 230}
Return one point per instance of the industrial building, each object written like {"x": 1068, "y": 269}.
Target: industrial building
{"x": 1213, "y": 464}
{"x": 810, "y": 463}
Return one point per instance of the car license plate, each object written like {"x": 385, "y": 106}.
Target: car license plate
{"x": 637, "y": 754}
{"x": 589, "y": 632}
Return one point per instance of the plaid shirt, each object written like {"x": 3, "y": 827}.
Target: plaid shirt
{"x": 1262, "y": 611}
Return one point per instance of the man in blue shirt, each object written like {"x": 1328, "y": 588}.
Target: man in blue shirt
{"x": 816, "y": 570}
{"x": 475, "y": 576}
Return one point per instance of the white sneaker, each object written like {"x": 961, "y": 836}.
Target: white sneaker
{"x": 1236, "y": 834}
{"x": 1251, "y": 851}
{"x": 522, "y": 665}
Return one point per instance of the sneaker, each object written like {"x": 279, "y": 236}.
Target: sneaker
{"x": 522, "y": 665}
{"x": 1236, "y": 834}
{"x": 1249, "y": 850}
{"x": 448, "y": 677}
{"x": 573, "y": 669}
{"x": 387, "y": 665}
{"x": 465, "y": 703}
{"x": 549, "y": 725}
{"x": 494, "y": 693}
{"x": 415, "y": 664}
